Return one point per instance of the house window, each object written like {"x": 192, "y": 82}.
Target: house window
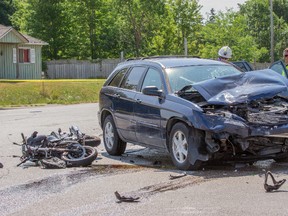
{"x": 24, "y": 55}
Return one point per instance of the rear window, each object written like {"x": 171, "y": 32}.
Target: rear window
{"x": 118, "y": 78}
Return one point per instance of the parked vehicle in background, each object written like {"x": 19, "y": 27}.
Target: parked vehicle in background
{"x": 278, "y": 66}
{"x": 243, "y": 65}
{"x": 199, "y": 110}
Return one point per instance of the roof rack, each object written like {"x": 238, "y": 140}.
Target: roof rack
{"x": 170, "y": 56}
{"x": 131, "y": 59}
{"x": 164, "y": 56}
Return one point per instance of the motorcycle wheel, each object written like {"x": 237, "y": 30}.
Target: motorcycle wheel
{"x": 86, "y": 160}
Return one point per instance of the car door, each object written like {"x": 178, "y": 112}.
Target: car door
{"x": 147, "y": 111}
{"x": 124, "y": 103}
{"x": 280, "y": 68}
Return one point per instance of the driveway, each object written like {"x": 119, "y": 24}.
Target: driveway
{"x": 140, "y": 172}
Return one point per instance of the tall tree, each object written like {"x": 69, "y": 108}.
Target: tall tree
{"x": 95, "y": 32}
{"x": 257, "y": 13}
{"x": 137, "y": 22}
{"x": 230, "y": 29}
{"x": 188, "y": 20}
{"x": 46, "y": 20}
{"x": 6, "y": 10}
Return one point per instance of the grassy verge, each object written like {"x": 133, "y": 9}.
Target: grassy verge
{"x": 37, "y": 92}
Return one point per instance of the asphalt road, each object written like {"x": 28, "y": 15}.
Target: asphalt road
{"x": 140, "y": 172}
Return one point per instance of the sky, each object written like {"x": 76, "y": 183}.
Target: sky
{"x": 219, "y": 5}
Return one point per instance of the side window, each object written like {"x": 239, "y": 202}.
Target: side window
{"x": 152, "y": 78}
{"x": 132, "y": 80}
{"x": 118, "y": 78}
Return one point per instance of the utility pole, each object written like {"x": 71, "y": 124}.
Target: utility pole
{"x": 272, "y": 31}
{"x": 185, "y": 47}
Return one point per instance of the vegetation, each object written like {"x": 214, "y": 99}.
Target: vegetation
{"x": 37, "y": 92}
{"x": 95, "y": 29}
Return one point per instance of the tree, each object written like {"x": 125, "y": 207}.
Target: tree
{"x": 46, "y": 20}
{"x": 186, "y": 14}
{"x": 230, "y": 29}
{"x": 6, "y": 10}
{"x": 137, "y": 23}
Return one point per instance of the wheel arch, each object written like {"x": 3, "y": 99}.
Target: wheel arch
{"x": 171, "y": 122}
{"x": 104, "y": 114}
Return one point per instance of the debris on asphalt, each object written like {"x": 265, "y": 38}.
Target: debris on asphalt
{"x": 53, "y": 163}
{"x": 277, "y": 184}
{"x": 1, "y": 165}
{"x": 172, "y": 177}
{"x": 125, "y": 199}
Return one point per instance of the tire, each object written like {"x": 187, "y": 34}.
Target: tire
{"x": 89, "y": 156}
{"x": 178, "y": 146}
{"x": 112, "y": 142}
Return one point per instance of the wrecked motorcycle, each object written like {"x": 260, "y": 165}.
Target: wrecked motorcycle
{"x": 39, "y": 148}
{"x": 77, "y": 135}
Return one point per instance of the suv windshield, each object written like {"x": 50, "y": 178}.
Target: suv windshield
{"x": 187, "y": 75}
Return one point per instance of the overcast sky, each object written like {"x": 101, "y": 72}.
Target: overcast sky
{"x": 219, "y": 5}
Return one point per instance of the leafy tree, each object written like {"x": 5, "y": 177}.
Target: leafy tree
{"x": 230, "y": 29}
{"x": 6, "y": 10}
{"x": 280, "y": 8}
{"x": 137, "y": 23}
{"x": 258, "y": 22}
{"x": 186, "y": 14}
{"x": 46, "y": 20}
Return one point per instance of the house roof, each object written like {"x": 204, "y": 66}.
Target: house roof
{"x": 34, "y": 41}
{"x": 26, "y": 39}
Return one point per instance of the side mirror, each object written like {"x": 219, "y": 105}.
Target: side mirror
{"x": 152, "y": 91}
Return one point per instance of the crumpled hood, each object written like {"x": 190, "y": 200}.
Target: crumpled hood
{"x": 242, "y": 88}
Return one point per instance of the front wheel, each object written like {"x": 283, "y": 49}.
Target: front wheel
{"x": 178, "y": 145}
{"x": 85, "y": 157}
{"x": 112, "y": 142}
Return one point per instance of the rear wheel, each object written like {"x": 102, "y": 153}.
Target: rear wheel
{"x": 112, "y": 142}
{"x": 178, "y": 144}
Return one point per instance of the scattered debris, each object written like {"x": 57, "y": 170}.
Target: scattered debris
{"x": 277, "y": 184}
{"x": 53, "y": 163}
{"x": 172, "y": 177}
{"x": 1, "y": 165}
{"x": 126, "y": 199}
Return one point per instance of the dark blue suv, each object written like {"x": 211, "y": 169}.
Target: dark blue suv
{"x": 199, "y": 110}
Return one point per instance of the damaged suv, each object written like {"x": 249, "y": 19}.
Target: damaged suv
{"x": 199, "y": 110}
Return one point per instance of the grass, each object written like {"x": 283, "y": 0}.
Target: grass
{"x": 15, "y": 93}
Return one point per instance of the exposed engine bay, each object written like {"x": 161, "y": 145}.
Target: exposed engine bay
{"x": 260, "y": 114}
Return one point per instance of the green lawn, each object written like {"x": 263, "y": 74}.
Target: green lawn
{"x": 38, "y": 92}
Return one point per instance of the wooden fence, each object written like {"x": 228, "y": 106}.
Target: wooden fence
{"x": 74, "y": 69}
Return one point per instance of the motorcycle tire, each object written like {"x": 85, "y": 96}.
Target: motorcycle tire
{"x": 90, "y": 155}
